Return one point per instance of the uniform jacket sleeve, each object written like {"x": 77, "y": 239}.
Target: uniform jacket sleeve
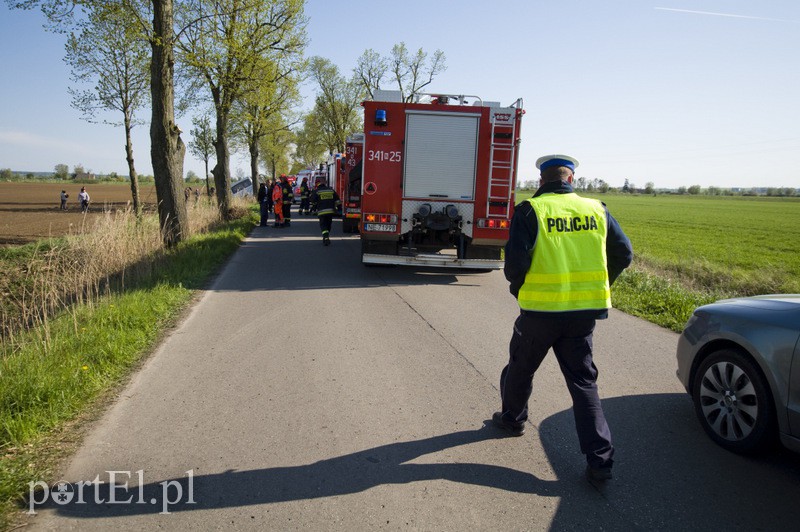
{"x": 519, "y": 248}
{"x": 619, "y": 251}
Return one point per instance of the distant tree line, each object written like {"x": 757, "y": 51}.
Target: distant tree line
{"x": 583, "y": 184}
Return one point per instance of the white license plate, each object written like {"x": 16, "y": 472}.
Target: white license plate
{"x": 383, "y": 228}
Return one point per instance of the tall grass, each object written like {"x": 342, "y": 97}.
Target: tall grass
{"x": 116, "y": 251}
{"x": 77, "y": 313}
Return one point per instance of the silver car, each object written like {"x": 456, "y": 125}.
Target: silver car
{"x": 740, "y": 361}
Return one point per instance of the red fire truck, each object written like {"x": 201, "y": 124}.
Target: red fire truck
{"x": 349, "y": 184}
{"x": 438, "y": 180}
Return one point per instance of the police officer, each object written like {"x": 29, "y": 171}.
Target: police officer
{"x": 305, "y": 193}
{"x": 327, "y": 203}
{"x": 288, "y": 199}
{"x": 262, "y": 202}
{"x": 562, "y": 256}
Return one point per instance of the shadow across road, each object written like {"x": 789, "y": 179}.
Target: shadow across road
{"x": 668, "y": 476}
{"x": 294, "y": 258}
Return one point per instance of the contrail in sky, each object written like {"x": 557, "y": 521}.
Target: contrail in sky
{"x": 723, "y": 14}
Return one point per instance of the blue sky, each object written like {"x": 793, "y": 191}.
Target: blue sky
{"x": 674, "y": 92}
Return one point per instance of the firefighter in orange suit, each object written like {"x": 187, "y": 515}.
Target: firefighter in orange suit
{"x": 327, "y": 203}
{"x": 562, "y": 256}
{"x": 277, "y": 200}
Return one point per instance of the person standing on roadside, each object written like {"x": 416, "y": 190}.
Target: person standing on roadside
{"x": 288, "y": 199}
{"x": 262, "y": 204}
{"x": 563, "y": 253}
{"x": 327, "y": 201}
{"x": 84, "y": 199}
{"x": 277, "y": 200}
{"x": 305, "y": 194}
{"x": 270, "y": 186}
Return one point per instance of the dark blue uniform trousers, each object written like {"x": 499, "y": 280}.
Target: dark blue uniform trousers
{"x": 571, "y": 340}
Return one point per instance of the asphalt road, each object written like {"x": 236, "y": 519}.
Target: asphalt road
{"x": 305, "y": 391}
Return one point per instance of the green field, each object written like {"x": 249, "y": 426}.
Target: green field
{"x": 690, "y": 250}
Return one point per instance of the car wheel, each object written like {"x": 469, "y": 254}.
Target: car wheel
{"x": 732, "y": 402}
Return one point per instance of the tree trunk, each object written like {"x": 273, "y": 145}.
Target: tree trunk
{"x": 222, "y": 172}
{"x": 254, "y": 165}
{"x": 167, "y": 150}
{"x": 208, "y": 181}
{"x": 137, "y": 206}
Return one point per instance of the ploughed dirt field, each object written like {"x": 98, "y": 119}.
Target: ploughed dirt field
{"x": 31, "y": 211}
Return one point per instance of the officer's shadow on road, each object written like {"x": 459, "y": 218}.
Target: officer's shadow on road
{"x": 668, "y": 475}
{"x": 341, "y": 475}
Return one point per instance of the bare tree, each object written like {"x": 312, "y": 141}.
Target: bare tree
{"x": 202, "y": 145}
{"x": 410, "y": 73}
{"x": 109, "y": 53}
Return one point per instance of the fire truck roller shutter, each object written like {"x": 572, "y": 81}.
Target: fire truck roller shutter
{"x": 440, "y": 155}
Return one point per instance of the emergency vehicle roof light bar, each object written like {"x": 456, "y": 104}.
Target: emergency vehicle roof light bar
{"x": 461, "y": 98}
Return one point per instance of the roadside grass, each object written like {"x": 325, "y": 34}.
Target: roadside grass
{"x": 693, "y": 250}
{"x": 55, "y": 372}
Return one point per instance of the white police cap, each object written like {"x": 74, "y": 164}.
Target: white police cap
{"x": 548, "y": 161}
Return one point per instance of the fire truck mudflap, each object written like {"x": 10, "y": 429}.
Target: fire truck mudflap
{"x": 438, "y": 180}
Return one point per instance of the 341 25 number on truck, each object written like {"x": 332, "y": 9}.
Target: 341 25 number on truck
{"x": 438, "y": 179}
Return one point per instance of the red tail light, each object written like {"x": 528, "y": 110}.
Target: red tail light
{"x": 493, "y": 223}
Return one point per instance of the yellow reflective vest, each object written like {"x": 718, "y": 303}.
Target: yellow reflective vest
{"x": 569, "y": 266}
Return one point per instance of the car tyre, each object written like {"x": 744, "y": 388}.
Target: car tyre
{"x": 732, "y": 400}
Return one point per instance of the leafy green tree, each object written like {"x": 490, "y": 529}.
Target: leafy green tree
{"x": 61, "y": 171}
{"x": 108, "y": 52}
{"x": 310, "y": 148}
{"x": 694, "y": 190}
{"x": 336, "y": 112}
{"x": 6, "y": 174}
{"x": 227, "y": 44}
{"x": 265, "y": 110}
{"x": 202, "y": 143}
{"x": 276, "y": 146}
{"x": 649, "y": 187}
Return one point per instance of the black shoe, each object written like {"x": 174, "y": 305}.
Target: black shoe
{"x": 326, "y": 241}
{"x": 598, "y": 474}
{"x": 513, "y": 429}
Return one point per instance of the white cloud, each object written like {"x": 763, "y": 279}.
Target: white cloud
{"x": 730, "y": 15}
